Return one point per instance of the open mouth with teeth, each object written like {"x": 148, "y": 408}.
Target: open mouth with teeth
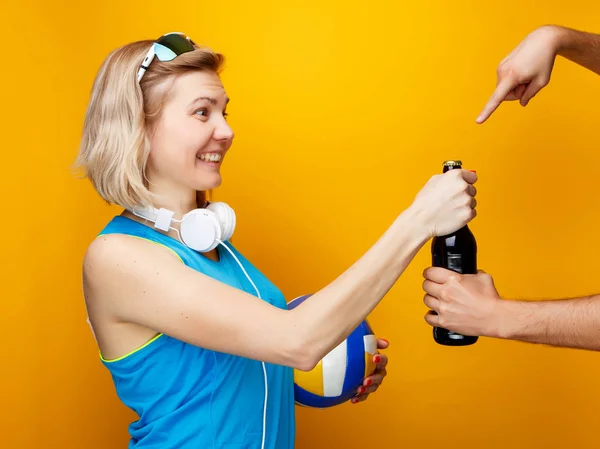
{"x": 210, "y": 157}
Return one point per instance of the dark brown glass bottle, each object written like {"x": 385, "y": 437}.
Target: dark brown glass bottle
{"x": 457, "y": 252}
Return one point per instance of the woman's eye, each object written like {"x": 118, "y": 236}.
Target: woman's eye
{"x": 201, "y": 112}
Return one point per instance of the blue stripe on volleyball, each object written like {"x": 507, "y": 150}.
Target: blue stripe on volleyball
{"x": 367, "y": 326}
{"x": 308, "y": 399}
{"x": 297, "y": 301}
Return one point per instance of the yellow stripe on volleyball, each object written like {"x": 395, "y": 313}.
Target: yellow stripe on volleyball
{"x": 370, "y": 342}
{"x": 311, "y": 381}
{"x": 327, "y": 377}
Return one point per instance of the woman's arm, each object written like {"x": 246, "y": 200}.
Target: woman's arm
{"x": 142, "y": 283}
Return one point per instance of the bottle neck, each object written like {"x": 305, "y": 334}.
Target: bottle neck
{"x": 453, "y": 167}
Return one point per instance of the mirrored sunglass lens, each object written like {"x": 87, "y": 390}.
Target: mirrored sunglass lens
{"x": 163, "y": 53}
{"x": 176, "y": 43}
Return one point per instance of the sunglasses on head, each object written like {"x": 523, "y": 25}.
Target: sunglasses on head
{"x": 166, "y": 48}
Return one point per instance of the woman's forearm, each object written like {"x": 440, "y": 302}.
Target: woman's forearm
{"x": 337, "y": 309}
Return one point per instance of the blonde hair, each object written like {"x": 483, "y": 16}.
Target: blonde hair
{"x": 115, "y": 146}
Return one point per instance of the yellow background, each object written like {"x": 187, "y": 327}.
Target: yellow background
{"x": 342, "y": 112}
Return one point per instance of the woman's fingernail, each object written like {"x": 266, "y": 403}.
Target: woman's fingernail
{"x": 354, "y": 400}
{"x": 377, "y": 359}
{"x": 474, "y": 171}
{"x": 361, "y": 389}
{"x": 368, "y": 382}
{"x": 386, "y": 342}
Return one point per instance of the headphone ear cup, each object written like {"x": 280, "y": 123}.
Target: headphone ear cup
{"x": 226, "y": 216}
{"x": 200, "y": 230}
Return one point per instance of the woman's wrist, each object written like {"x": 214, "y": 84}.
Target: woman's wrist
{"x": 413, "y": 222}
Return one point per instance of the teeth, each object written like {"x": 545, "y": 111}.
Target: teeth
{"x": 210, "y": 157}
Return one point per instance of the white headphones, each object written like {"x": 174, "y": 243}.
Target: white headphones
{"x": 200, "y": 229}
{"x": 203, "y": 230}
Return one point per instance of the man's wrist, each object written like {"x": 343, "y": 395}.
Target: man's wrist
{"x": 559, "y": 38}
{"x": 504, "y": 322}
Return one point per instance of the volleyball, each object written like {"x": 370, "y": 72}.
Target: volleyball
{"x": 335, "y": 379}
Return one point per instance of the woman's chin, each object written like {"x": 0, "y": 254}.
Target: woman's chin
{"x": 208, "y": 182}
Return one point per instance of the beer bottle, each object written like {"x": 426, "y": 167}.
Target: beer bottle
{"x": 458, "y": 252}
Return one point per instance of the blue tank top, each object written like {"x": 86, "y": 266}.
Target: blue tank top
{"x": 188, "y": 397}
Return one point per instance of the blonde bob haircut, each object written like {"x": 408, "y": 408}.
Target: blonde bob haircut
{"x": 121, "y": 112}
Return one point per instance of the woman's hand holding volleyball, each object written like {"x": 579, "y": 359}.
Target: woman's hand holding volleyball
{"x": 447, "y": 202}
{"x": 373, "y": 382}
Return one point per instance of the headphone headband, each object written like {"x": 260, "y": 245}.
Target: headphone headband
{"x": 161, "y": 218}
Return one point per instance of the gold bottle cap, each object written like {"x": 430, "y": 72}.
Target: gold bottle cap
{"x": 452, "y": 163}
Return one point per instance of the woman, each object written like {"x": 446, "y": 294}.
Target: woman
{"x": 199, "y": 343}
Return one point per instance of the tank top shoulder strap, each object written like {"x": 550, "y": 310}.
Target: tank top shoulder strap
{"x": 123, "y": 225}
